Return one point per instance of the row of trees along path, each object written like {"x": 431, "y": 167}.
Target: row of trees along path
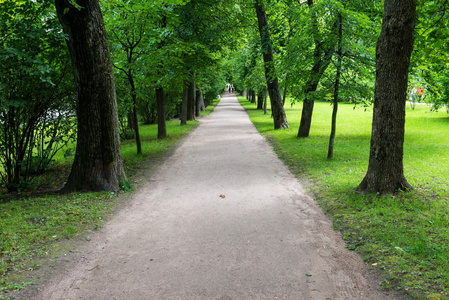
{"x": 98, "y": 164}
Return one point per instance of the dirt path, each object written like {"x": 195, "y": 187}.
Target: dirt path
{"x": 222, "y": 218}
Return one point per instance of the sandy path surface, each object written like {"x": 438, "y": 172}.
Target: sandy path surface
{"x": 222, "y": 218}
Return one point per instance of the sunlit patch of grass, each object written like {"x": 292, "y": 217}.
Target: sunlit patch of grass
{"x": 406, "y": 236}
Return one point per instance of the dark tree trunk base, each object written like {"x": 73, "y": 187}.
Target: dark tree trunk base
{"x": 371, "y": 184}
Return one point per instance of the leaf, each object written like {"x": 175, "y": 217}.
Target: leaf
{"x": 66, "y": 10}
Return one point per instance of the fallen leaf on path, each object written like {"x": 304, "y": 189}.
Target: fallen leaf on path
{"x": 222, "y": 196}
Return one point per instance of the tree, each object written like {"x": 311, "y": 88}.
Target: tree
{"x": 322, "y": 55}
{"x": 394, "y": 47}
{"x": 330, "y": 151}
{"x": 279, "y": 117}
{"x": 98, "y": 163}
{"x": 128, "y": 30}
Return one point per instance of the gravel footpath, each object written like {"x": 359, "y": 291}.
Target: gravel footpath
{"x": 222, "y": 218}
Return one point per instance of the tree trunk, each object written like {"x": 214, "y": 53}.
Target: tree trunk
{"x": 277, "y": 109}
{"x": 185, "y": 100}
{"x": 191, "y": 100}
{"x": 135, "y": 118}
{"x": 98, "y": 163}
{"x": 161, "y": 125}
{"x": 330, "y": 150}
{"x": 260, "y": 99}
{"x": 322, "y": 57}
{"x": 198, "y": 103}
{"x": 130, "y": 118}
{"x": 201, "y": 101}
{"x": 265, "y": 101}
{"x": 251, "y": 96}
{"x": 394, "y": 47}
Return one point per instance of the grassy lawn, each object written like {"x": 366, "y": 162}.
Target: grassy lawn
{"x": 32, "y": 225}
{"x": 404, "y": 237}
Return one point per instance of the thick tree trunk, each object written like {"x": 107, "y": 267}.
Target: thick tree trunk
{"x": 330, "y": 150}
{"x": 185, "y": 100}
{"x": 394, "y": 47}
{"x": 161, "y": 125}
{"x": 98, "y": 163}
{"x": 277, "y": 109}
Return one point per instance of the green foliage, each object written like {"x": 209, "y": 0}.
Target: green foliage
{"x": 36, "y": 100}
{"x": 430, "y": 58}
{"x": 404, "y": 237}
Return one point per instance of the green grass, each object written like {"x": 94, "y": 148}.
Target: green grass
{"x": 32, "y": 225}
{"x": 404, "y": 237}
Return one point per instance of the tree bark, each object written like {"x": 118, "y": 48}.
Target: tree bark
{"x": 394, "y": 47}
{"x": 260, "y": 99}
{"x": 279, "y": 117}
{"x": 185, "y": 100}
{"x": 265, "y": 101}
{"x": 161, "y": 124}
{"x": 135, "y": 118}
{"x": 198, "y": 103}
{"x": 98, "y": 163}
{"x": 191, "y": 100}
{"x": 201, "y": 101}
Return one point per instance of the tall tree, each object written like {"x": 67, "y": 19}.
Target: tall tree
{"x": 322, "y": 56}
{"x": 128, "y": 28}
{"x": 279, "y": 117}
{"x": 98, "y": 163}
{"x": 394, "y": 47}
{"x": 330, "y": 151}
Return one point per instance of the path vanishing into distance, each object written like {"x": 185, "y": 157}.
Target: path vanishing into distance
{"x": 222, "y": 218}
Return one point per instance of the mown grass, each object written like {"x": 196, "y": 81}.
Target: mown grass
{"x": 405, "y": 237}
{"x": 32, "y": 224}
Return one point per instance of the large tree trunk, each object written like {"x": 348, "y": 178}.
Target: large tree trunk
{"x": 98, "y": 163}
{"x": 161, "y": 125}
{"x": 394, "y": 47}
{"x": 322, "y": 57}
{"x": 279, "y": 117}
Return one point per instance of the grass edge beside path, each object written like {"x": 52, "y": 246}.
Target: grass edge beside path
{"x": 403, "y": 238}
{"x": 39, "y": 233}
